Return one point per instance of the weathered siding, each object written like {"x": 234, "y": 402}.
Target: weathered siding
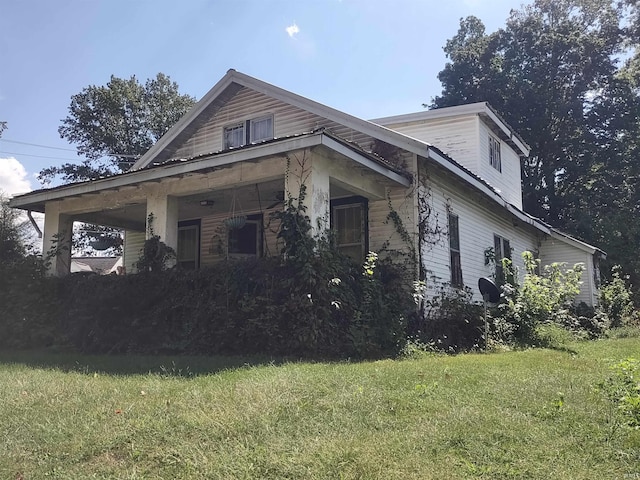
{"x": 508, "y": 181}
{"x": 248, "y": 104}
{"x": 457, "y": 137}
{"x": 133, "y": 243}
{"x": 477, "y": 222}
{"x": 556, "y": 251}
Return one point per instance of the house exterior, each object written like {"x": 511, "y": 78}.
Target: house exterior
{"x": 441, "y": 186}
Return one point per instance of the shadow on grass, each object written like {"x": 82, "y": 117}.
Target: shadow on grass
{"x": 164, "y": 365}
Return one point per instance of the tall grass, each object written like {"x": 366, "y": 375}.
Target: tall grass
{"x": 526, "y": 414}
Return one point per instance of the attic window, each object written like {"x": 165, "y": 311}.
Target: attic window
{"x": 249, "y": 131}
{"x": 494, "y": 153}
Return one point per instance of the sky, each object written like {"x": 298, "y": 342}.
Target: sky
{"x": 368, "y": 58}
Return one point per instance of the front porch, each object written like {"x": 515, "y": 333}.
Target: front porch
{"x": 186, "y": 202}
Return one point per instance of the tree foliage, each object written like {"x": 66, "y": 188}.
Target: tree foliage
{"x": 13, "y": 233}
{"x": 555, "y": 72}
{"x": 115, "y": 124}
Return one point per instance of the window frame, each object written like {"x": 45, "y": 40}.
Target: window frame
{"x": 253, "y": 121}
{"x": 495, "y": 153}
{"x": 502, "y": 249}
{"x": 229, "y": 128}
{"x": 455, "y": 257}
{"x": 255, "y": 220}
{"x": 184, "y": 226}
{"x": 355, "y": 201}
{"x": 248, "y": 127}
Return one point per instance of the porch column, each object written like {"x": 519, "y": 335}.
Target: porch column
{"x": 313, "y": 173}
{"x": 56, "y": 243}
{"x": 164, "y": 209}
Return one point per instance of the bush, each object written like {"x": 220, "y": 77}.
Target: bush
{"x": 541, "y": 298}
{"x": 616, "y": 298}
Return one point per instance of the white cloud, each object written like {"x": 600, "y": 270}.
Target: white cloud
{"x": 13, "y": 177}
{"x": 292, "y": 29}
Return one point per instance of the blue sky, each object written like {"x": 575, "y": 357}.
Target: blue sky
{"x": 369, "y": 58}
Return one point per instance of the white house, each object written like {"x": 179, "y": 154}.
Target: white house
{"x": 442, "y": 186}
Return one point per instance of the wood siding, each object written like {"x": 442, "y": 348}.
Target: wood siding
{"x": 247, "y": 104}
{"x": 509, "y": 180}
{"x": 477, "y": 222}
{"x": 133, "y": 243}
{"x": 556, "y": 251}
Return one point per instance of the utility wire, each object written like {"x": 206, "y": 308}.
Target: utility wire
{"x": 38, "y": 156}
{"x": 124, "y": 155}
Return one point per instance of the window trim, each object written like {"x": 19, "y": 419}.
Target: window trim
{"x": 495, "y": 152}
{"x": 454, "y": 253}
{"x": 352, "y": 201}
{"x": 188, "y": 225}
{"x": 247, "y": 126}
{"x": 257, "y": 220}
{"x": 505, "y": 251}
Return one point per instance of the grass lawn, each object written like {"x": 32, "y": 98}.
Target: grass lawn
{"x": 524, "y": 414}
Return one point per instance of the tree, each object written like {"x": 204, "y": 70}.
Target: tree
{"x": 554, "y": 73}
{"x": 113, "y": 125}
{"x": 13, "y": 233}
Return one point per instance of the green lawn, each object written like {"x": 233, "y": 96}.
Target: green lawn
{"x": 525, "y": 414}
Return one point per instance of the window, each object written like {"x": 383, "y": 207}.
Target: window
{"x": 249, "y": 131}
{"x": 454, "y": 251}
{"x": 246, "y": 241}
{"x": 261, "y": 129}
{"x": 234, "y": 136}
{"x": 494, "y": 153}
{"x": 188, "y": 254}
{"x": 502, "y": 249}
{"x": 349, "y": 221}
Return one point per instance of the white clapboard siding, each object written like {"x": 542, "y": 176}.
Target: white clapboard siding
{"x": 382, "y": 231}
{"x": 556, "y": 251}
{"x": 477, "y": 223}
{"x": 133, "y": 244}
{"x": 247, "y": 104}
{"x": 213, "y": 239}
{"x": 508, "y": 181}
{"x": 456, "y": 137}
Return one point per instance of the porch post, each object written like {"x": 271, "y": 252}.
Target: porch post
{"x": 165, "y": 218}
{"x": 56, "y": 241}
{"x": 313, "y": 173}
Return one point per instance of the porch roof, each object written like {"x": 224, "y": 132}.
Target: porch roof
{"x": 35, "y": 201}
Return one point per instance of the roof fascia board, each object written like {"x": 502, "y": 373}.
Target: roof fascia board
{"x": 364, "y": 161}
{"x": 191, "y": 166}
{"x": 585, "y": 247}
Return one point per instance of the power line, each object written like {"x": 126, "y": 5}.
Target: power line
{"x": 123, "y": 155}
{"x": 38, "y": 145}
{"x": 38, "y": 156}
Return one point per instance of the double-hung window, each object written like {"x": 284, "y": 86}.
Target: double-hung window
{"x": 349, "y": 221}
{"x": 248, "y": 131}
{"x": 454, "y": 251}
{"x": 494, "y": 153}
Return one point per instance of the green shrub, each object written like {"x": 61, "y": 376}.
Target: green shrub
{"x": 540, "y": 298}
{"x": 622, "y": 388}
{"x": 616, "y": 298}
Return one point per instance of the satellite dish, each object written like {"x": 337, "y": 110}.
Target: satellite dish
{"x": 490, "y": 293}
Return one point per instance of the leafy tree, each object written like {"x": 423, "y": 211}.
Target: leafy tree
{"x": 554, "y": 72}
{"x": 112, "y": 126}
{"x": 115, "y": 124}
{"x": 13, "y": 234}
